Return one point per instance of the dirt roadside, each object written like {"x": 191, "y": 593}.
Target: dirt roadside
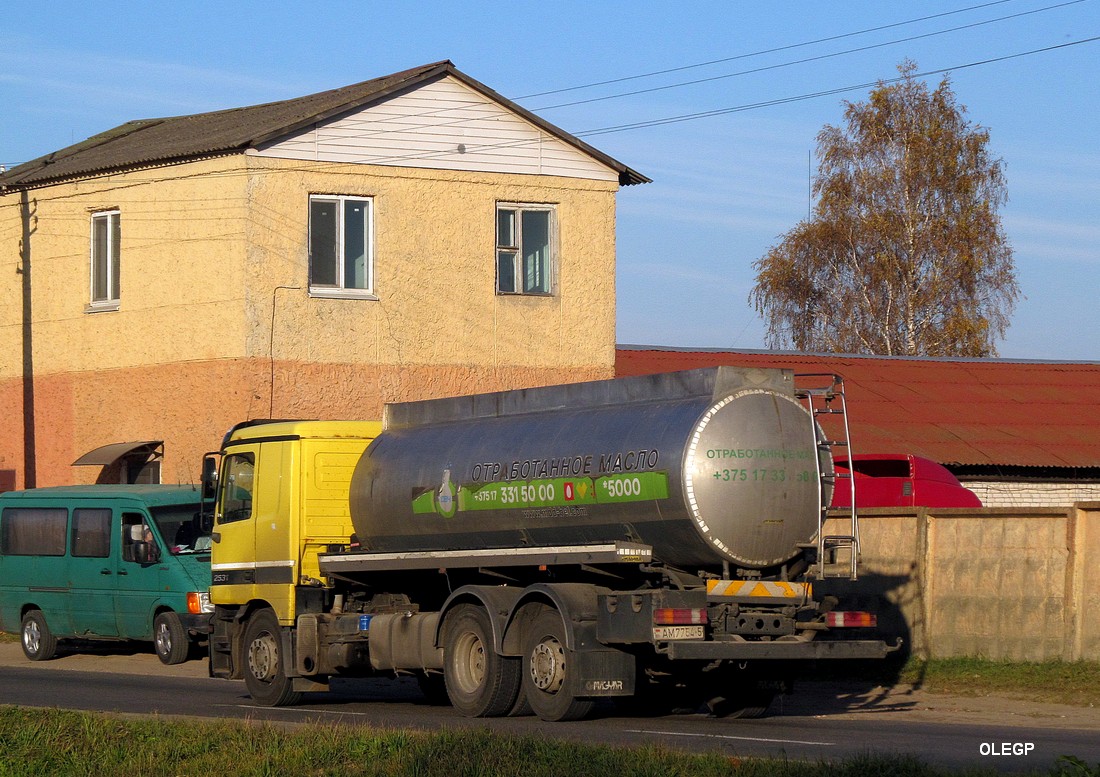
{"x": 135, "y": 658}
{"x": 812, "y": 699}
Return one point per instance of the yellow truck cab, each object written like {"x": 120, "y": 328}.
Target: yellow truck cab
{"x": 282, "y": 500}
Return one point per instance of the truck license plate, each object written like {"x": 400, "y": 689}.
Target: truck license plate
{"x": 665, "y": 633}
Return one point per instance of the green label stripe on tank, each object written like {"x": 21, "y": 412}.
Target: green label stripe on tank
{"x": 553, "y": 492}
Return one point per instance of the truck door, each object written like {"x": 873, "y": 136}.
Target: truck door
{"x": 255, "y": 555}
{"x": 234, "y": 536}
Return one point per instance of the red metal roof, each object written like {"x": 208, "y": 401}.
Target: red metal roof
{"x": 975, "y": 412}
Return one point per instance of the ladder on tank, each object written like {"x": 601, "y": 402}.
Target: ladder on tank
{"x": 823, "y": 394}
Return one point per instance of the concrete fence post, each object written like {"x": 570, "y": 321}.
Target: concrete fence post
{"x": 1075, "y": 583}
{"x": 926, "y": 541}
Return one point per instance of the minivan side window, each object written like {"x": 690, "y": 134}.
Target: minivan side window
{"x": 91, "y": 533}
{"x": 33, "y": 531}
{"x": 237, "y": 492}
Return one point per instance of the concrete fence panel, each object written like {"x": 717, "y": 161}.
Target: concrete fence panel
{"x": 1005, "y": 584}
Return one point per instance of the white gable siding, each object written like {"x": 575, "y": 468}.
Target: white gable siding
{"x": 426, "y": 127}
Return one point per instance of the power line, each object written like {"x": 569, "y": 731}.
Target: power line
{"x": 674, "y": 119}
{"x": 738, "y": 108}
{"x": 791, "y": 63}
{"x": 759, "y": 53}
{"x": 824, "y": 93}
{"x": 381, "y": 129}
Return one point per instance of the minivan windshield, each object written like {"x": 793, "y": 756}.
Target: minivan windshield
{"x": 179, "y": 527}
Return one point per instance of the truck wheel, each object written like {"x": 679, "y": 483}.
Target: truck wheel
{"x": 480, "y": 682}
{"x": 39, "y": 643}
{"x": 170, "y": 639}
{"x": 549, "y": 677}
{"x": 264, "y": 675}
{"x": 521, "y": 708}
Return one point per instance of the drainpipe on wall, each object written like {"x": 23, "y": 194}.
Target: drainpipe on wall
{"x": 28, "y": 217}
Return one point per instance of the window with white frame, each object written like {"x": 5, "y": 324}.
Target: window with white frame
{"x": 341, "y": 253}
{"x": 525, "y": 249}
{"x": 106, "y": 237}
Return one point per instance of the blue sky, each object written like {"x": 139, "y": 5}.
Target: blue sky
{"x": 725, "y": 187}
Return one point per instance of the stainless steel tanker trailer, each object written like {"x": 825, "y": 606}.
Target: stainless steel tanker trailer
{"x": 653, "y": 540}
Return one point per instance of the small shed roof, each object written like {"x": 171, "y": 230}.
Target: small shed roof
{"x": 967, "y": 412}
{"x": 180, "y": 138}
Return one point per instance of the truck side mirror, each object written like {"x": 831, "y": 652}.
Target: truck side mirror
{"x": 209, "y": 477}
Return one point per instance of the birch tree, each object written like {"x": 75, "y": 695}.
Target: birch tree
{"x": 904, "y": 252}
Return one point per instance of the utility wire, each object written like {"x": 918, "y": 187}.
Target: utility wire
{"x": 381, "y": 129}
{"x": 758, "y": 53}
{"x": 791, "y": 63}
{"x": 824, "y": 93}
{"x": 680, "y": 117}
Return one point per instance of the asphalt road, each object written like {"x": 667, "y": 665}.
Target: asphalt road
{"x": 819, "y": 721}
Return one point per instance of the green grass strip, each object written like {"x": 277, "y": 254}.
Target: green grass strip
{"x": 35, "y": 742}
{"x": 1061, "y": 682}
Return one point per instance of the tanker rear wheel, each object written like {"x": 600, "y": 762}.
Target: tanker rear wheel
{"x": 480, "y": 682}
{"x": 549, "y": 671}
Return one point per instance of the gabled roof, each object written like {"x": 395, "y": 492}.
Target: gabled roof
{"x": 968, "y": 412}
{"x": 148, "y": 142}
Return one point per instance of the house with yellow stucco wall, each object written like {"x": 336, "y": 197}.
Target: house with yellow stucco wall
{"x": 412, "y": 236}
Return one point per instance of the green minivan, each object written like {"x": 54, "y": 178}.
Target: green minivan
{"x": 113, "y": 562}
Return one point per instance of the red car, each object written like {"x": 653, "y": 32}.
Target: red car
{"x": 899, "y": 480}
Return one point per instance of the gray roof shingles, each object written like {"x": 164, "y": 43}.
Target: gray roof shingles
{"x": 148, "y": 142}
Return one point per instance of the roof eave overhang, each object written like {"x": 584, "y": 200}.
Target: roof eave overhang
{"x": 145, "y": 164}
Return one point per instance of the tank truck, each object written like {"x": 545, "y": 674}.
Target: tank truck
{"x": 655, "y": 540}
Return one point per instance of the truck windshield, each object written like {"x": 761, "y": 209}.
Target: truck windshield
{"x": 179, "y": 527}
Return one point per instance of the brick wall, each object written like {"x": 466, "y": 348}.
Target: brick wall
{"x": 1033, "y": 494}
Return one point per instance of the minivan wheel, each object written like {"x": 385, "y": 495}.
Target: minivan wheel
{"x": 39, "y": 643}
{"x": 170, "y": 639}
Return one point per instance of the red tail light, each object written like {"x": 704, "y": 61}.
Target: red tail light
{"x": 669, "y": 616}
{"x": 850, "y": 620}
